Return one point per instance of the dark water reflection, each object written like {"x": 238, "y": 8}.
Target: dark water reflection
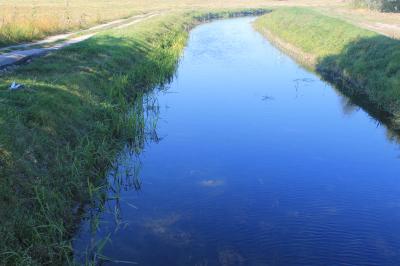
{"x": 260, "y": 163}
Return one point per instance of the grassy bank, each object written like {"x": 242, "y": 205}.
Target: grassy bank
{"x": 63, "y": 130}
{"x": 60, "y": 134}
{"x": 362, "y": 63}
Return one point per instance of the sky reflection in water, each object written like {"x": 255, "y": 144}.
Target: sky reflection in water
{"x": 259, "y": 163}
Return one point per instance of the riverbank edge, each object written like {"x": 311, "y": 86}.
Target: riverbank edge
{"x": 348, "y": 85}
{"x": 61, "y": 132}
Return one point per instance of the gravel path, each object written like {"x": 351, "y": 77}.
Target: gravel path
{"x": 23, "y": 52}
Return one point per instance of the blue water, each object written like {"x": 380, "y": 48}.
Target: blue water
{"x": 258, "y": 162}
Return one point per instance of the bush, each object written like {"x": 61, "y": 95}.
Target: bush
{"x": 381, "y": 5}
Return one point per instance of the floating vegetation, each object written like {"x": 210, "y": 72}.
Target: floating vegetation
{"x": 228, "y": 257}
{"x": 306, "y": 80}
{"x": 211, "y": 183}
{"x": 162, "y": 225}
{"x": 164, "y": 228}
{"x": 267, "y": 98}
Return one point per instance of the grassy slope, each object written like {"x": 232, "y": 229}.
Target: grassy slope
{"x": 64, "y": 129}
{"x": 360, "y": 61}
{"x": 61, "y": 133}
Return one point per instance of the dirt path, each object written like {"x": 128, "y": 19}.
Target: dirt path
{"x": 23, "y": 52}
{"x": 387, "y": 24}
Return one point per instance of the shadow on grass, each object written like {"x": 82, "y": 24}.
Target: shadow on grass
{"x": 368, "y": 71}
{"x": 63, "y": 130}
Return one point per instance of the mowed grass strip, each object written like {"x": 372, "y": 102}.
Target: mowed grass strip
{"x": 360, "y": 61}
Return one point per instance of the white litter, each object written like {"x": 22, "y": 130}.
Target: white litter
{"x": 15, "y": 86}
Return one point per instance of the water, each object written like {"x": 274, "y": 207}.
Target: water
{"x": 259, "y": 163}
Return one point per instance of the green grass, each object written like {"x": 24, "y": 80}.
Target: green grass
{"x": 63, "y": 130}
{"x": 311, "y": 31}
{"x": 360, "y": 62}
{"x": 60, "y": 134}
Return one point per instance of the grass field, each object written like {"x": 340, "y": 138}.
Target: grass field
{"x": 360, "y": 61}
{"x": 29, "y": 20}
{"x": 23, "y": 21}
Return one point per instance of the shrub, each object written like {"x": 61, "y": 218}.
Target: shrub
{"x": 381, "y": 5}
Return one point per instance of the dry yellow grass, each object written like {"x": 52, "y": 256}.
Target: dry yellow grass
{"x": 22, "y": 20}
{"x": 28, "y": 20}
{"x": 384, "y": 23}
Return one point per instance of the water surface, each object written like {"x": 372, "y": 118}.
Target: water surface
{"x": 257, "y": 162}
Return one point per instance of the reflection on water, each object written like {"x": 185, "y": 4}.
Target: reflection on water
{"x": 252, "y": 160}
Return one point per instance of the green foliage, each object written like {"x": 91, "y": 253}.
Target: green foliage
{"x": 381, "y": 5}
